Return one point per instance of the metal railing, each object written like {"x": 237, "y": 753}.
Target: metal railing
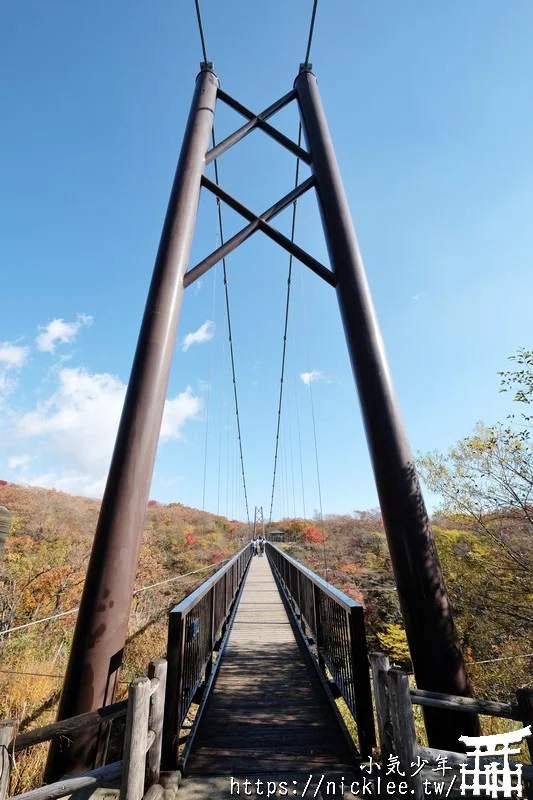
{"x": 335, "y": 624}
{"x": 196, "y": 627}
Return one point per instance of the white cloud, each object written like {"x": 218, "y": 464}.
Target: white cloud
{"x": 311, "y": 377}
{"x": 177, "y": 411}
{"x": 60, "y": 332}
{"x": 418, "y": 296}
{"x": 12, "y": 355}
{"x": 12, "y": 358}
{"x": 78, "y": 423}
{"x": 72, "y": 483}
{"x": 19, "y": 461}
{"x": 204, "y": 334}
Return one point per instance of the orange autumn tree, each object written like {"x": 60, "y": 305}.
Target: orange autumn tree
{"x": 302, "y": 529}
{"x": 313, "y": 535}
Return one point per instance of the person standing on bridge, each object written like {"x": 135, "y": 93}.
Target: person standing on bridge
{"x": 253, "y": 545}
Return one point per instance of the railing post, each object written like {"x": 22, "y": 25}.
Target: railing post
{"x": 174, "y": 691}
{"x": 524, "y": 698}
{"x": 292, "y": 573}
{"x": 209, "y": 666}
{"x": 7, "y": 733}
{"x": 226, "y": 600}
{"x": 318, "y": 626}
{"x": 135, "y": 740}
{"x": 380, "y": 666}
{"x": 157, "y": 669}
{"x": 403, "y": 730}
{"x": 364, "y": 713}
{"x": 302, "y": 622}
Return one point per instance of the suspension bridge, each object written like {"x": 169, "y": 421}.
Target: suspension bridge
{"x": 267, "y": 673}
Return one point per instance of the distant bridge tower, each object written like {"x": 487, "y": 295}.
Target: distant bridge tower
{"x": 259, "y": 520}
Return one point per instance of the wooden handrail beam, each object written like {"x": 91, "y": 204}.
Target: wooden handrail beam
{"x": 66, "y": 726}
{"x": 490, "y": 708}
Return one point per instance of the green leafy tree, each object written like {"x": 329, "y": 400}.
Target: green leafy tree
{"x": 484, "y": 536}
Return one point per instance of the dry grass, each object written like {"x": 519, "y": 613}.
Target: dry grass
{"x": 32, "y": 701}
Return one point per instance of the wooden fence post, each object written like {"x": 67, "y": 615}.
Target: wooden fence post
{"x": 135, "y": 740}
{"x": 157, "y": 669}
{"x": 403, "y": 730}
{"x": 379, "y": 664}
{"x": 524, "y": 698}
{"x": 8, "y": 728}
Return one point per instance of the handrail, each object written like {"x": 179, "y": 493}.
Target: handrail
{"x": 453, "y": 702}
{"x": 196, "y": 627}
{"x": 335, "y": 594}
{"x": 337, "y": 627}
{"x": 198, "y": 593}
{"x": 66, "y": 726}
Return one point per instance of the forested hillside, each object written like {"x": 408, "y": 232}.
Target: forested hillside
{"x": 484, "y": 537}
{"x": 483, "y": 533}
{"x": 42, "y": 574}
{"x": 490, "y": 590}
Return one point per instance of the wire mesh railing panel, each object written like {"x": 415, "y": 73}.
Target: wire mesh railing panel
{"x": 336, "y": 623}
{"x": 198, "y": 647}
{"x": 334, "y": 645}
{"x": 220, "y": 608}
{"x": 307, "y": 604}
{"x": 196, "y": 626}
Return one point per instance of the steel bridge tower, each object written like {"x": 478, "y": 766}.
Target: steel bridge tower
{"x": 100, "y": 633}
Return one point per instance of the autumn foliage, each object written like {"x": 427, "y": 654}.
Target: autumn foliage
{"x": 312, "y": 535}
{"x": 42, "y": 573}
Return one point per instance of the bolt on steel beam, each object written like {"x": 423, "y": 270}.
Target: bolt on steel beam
{"x": 433, "y": 642}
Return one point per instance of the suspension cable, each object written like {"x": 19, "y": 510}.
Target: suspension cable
{"x": 209, "y": 389}
{"x": 222, "y": 409}
{"x": 299, "y": 444}
{"x": 287, "y": 305}
{"x": 313, "y": 418}
{"x": 221, "y": 231}
{"x": 311, "y": 31}
{"x": 201, "y": 28}
{"x": 230, "y": 337}
{"x": 135, "y": 593}
{"x": 289, "y": 415}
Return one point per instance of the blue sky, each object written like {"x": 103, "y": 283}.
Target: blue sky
{"x": 431, "y": 111}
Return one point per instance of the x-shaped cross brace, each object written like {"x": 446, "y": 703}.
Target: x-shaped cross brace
{"x": 258, "y": 222}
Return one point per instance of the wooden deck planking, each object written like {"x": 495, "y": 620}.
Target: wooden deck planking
{"x": 268, "y": 710}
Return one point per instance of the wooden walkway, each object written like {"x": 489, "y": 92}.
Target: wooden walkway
{"x": 268, "y": 711}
